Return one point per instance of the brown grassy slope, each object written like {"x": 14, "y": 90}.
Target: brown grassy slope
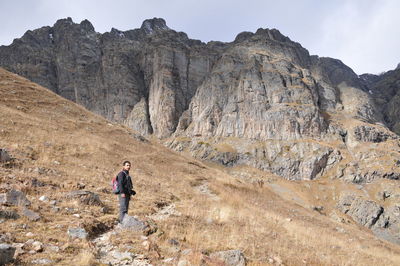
{"x": 61, "y": 144}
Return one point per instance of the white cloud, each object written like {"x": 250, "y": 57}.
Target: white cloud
{"x": 364, "y": 35}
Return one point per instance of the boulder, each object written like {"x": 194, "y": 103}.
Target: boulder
{"x": 230, "y": 257}
{"x": 364, "y": 212}
{"x": 14, "y": 197}
{"x": 9, "y": 214}
{"x": 85, "y": 197}
{"x": 31, "y": 215}
{"x": 132, "y": 223}
{"x": 4, "y": 156}
{"x": 77, "y": 233}
{"x": 6, "y": 253}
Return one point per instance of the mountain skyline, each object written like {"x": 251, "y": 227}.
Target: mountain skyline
{"x": 362, "y": 35}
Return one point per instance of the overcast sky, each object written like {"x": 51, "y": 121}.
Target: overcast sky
{"x": 364, "y": 34}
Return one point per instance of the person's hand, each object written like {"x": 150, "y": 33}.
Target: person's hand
{"x": 123, "y": 195}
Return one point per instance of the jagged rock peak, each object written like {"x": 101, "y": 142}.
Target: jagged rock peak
{"x": 398, "y": 66}
{"x": 87, "y": 25}
{"x": 151, "y": 25}
{"x": 272, "y": 34}
{"x": 67, "y": 20}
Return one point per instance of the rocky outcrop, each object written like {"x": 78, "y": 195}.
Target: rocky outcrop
{"x": 384, "y": 222}
{"x": 282, "y": 107}
{"x": 385, "y": 90}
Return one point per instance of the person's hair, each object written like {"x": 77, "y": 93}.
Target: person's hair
{"x": 125, "y": 162}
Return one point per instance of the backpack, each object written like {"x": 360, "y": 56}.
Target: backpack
{"x": 114, "y": 185}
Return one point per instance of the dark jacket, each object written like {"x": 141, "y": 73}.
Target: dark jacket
{"x": 125, "y": 183}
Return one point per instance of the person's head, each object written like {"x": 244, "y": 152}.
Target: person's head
{"x": 126, "y": 165}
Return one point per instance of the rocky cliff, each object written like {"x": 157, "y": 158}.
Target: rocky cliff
{"x": 260, "y": 100}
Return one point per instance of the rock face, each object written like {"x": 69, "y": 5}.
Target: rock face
{"x": 384, "y": 222}
{"x": 385, "y": 90}
{"x": 260, "y": 100}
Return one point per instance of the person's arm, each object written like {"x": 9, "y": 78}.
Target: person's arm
{"x": 121, "y": 177}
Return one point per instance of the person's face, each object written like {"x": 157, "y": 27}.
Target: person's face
{"x": 127, "y": 166}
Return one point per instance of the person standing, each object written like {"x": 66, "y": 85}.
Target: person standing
{"x": 126, "y": 190}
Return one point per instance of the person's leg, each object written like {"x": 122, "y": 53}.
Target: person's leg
{"x": 122, "y": 207}
{"x": 128, "y": 199}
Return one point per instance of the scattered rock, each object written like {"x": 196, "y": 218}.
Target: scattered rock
{"x": 77, "y": 233}
{"x": 230, "y": 257}
{"x": 14, "y": 197}
{"x": 132, "y": 223}
{"x": 318, "y": 209}
{"x": 31, "y": 215}
{"x": 19, "y": 249}
{"x": 29, "y": 234}
{"x": 37, "y": 183}
{"x": 43, "y": 198}
{"x": 6, "y": 237}
{"x": 373, "y": 134}
{"x": 52, "y": 248}
{"x": 6, "y": 253}
{"x": 183, "y": 262}
{"x": 37, "y": 246}
{"x": 80, "y": 186}
{"x": 8, "y": 214}
{"x": 4, "y": 156}
{"x": 42, "y": 261}
{"x": 85, "y": 197}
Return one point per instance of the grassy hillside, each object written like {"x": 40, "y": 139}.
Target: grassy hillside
{"x": 59, "y": 147}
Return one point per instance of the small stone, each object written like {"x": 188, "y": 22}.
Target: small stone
{"x": 31, "y": 215}
{"x": 42, "y": 261}
{"x": 6, "y": 253}
{"x": 18, "y": 249}
{"x": 80, "y": 186}
{"x": 288, "y": 219}
{"x": 77, "y": 233}
{"x": 37, "y": 246}
{"x": 146, "y": 244}
{"x": 53, "y": 202}
{"x": 57, "y": 162}
{"x": 9, "y": 214}
{"x": 76, "y": 215}
{"x": 14, "y": 197}
{"x": 183, "y": 263}
{"x": 29, "y": 234}
{"x": 53, "y": 248}
{"x": 230, "y": 257}
{"x": 43, "y": 198}
{"x": 29, "y": 242}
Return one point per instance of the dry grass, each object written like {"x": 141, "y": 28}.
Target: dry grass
{"x": 73, "y": 147}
